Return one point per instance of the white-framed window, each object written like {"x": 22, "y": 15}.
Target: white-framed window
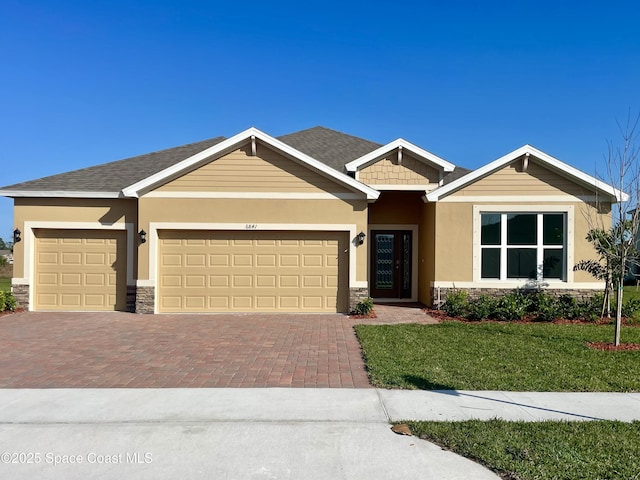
{"x": 522, "y": 245}
{"x": 513, "y": 248}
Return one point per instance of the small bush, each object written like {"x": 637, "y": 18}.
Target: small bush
{"x": 456, "y": 304}
{"x": 481, "y": 308}
{"x": 364, "y": 306}
{"x": 512, "y": 306}
{"x": 545, "y": 307}
{"x": 630, "y": 307}
{"x": 7, "y": 301}
{"x": 569, "y": 308}
{"x": 10, "y": 302}
{"x": 592, "y": 307}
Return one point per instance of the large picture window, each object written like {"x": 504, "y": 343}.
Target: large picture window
{"x": 523, "y": 246}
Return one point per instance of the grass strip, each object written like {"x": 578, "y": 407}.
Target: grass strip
{"x": 542, "y": 450}
{"x": 499, "y": 356}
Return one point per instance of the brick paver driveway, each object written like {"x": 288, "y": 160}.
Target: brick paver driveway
{"x": 58, "y": 350}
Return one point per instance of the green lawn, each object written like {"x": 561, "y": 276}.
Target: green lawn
{"x": 5, "y": 284}
{"x": 545, "y": 450}
{"x": 630, "y": 292}
{"x": 499, "y": 356}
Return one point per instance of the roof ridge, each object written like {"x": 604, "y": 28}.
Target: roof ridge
{"x": 322, "y": 127}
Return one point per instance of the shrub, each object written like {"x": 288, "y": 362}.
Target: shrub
{"x": 544, "y": 306}
{"x": 569, "y": 308}
{"x": 481, "y": 308}
{"x": 592, "y": 307}
{"x": 7, "y": 301}
{"x": 512, "y": 306}
{"x": 541, "y": 305}
{"x": 456, "y": 303}
{"x": 630, "y": 307}
{"x": 364, "y": 306}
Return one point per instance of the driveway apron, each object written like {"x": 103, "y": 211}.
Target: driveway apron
{"x": 125, "y": 350}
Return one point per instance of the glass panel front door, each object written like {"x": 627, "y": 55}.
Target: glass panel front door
{"x": 391, "y": 264}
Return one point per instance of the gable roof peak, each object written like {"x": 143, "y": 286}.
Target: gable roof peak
{"x": 382, "y": 151}
{"x": 228, "y": 145}
{"x": 546, "y": 159}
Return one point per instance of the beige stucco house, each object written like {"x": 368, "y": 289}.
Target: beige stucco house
{"x": 312, "y": 221}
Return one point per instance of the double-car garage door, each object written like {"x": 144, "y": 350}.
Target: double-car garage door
{"x": 221, "y": 271}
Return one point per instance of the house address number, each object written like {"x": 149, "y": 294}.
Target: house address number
{"x": 251, "y": 226}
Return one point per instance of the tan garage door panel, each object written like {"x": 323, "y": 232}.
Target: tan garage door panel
{"x": 80, "y": 270}
{"x": 253, "y": 271}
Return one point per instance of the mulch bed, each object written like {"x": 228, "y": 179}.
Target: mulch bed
{"x": 10, "y": 312}
{"x": 610, "y": 347}
{"x": 442, "y": 316}
{"x": 604, "y": 346}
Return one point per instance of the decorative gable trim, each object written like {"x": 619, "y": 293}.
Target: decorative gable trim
{"x": 252, "y": 134}
{"x": 400, "y": 144}
{"x": 526, "y": 151}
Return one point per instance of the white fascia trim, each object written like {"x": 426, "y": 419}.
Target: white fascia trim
{"x": 519, "y": 198}
{"x": 229, "y": 144}
{"x": 406, "y": 188}
{"x": 378, "y": 153}
{"x": 153, "y": 240}
{"x": 257, "y": 195}
{"x": 57, "y": 194}
{"x": 521, "y": 284}
{"x": 539, "y": 155}
{"x": 30, "y": 245}
{"x": 414, "y": 252}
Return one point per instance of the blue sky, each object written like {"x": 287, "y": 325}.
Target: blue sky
{"x": 83, "y": 83}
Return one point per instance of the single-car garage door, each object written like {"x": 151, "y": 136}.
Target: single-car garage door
{"x": 222, "y": 271}
{"x": 80, "y": 270}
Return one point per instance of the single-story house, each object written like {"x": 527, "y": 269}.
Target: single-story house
{"x": 312, "y": 221}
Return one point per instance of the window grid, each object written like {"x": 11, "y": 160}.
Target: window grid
{"x": 540, "y": 246}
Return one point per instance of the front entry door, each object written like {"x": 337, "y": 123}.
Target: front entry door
{"x": 391, "y": 264}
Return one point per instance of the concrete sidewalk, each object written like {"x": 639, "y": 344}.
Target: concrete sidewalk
{"x": 459, "y": 405}
{"x": 259, "y": 433}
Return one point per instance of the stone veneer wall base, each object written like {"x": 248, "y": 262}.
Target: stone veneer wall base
{"x": 474, "y": 293}
{"x": 356, "y": 295}
{"x": 21, "y": 294}
{"x": 145, "y": 298}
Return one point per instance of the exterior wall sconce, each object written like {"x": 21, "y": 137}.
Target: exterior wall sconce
{"x": 360, "y": 238}
{"x": 17, "y": 235}
{"x": 143, "y": 236}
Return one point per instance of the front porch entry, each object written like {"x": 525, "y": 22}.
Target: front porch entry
{"x": 391, "y": 264}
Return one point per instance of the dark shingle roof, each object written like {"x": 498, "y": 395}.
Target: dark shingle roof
{"x": 332, "y": 148}
{"x": 456, "y": 174}
{"x": 114, "y": 176}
